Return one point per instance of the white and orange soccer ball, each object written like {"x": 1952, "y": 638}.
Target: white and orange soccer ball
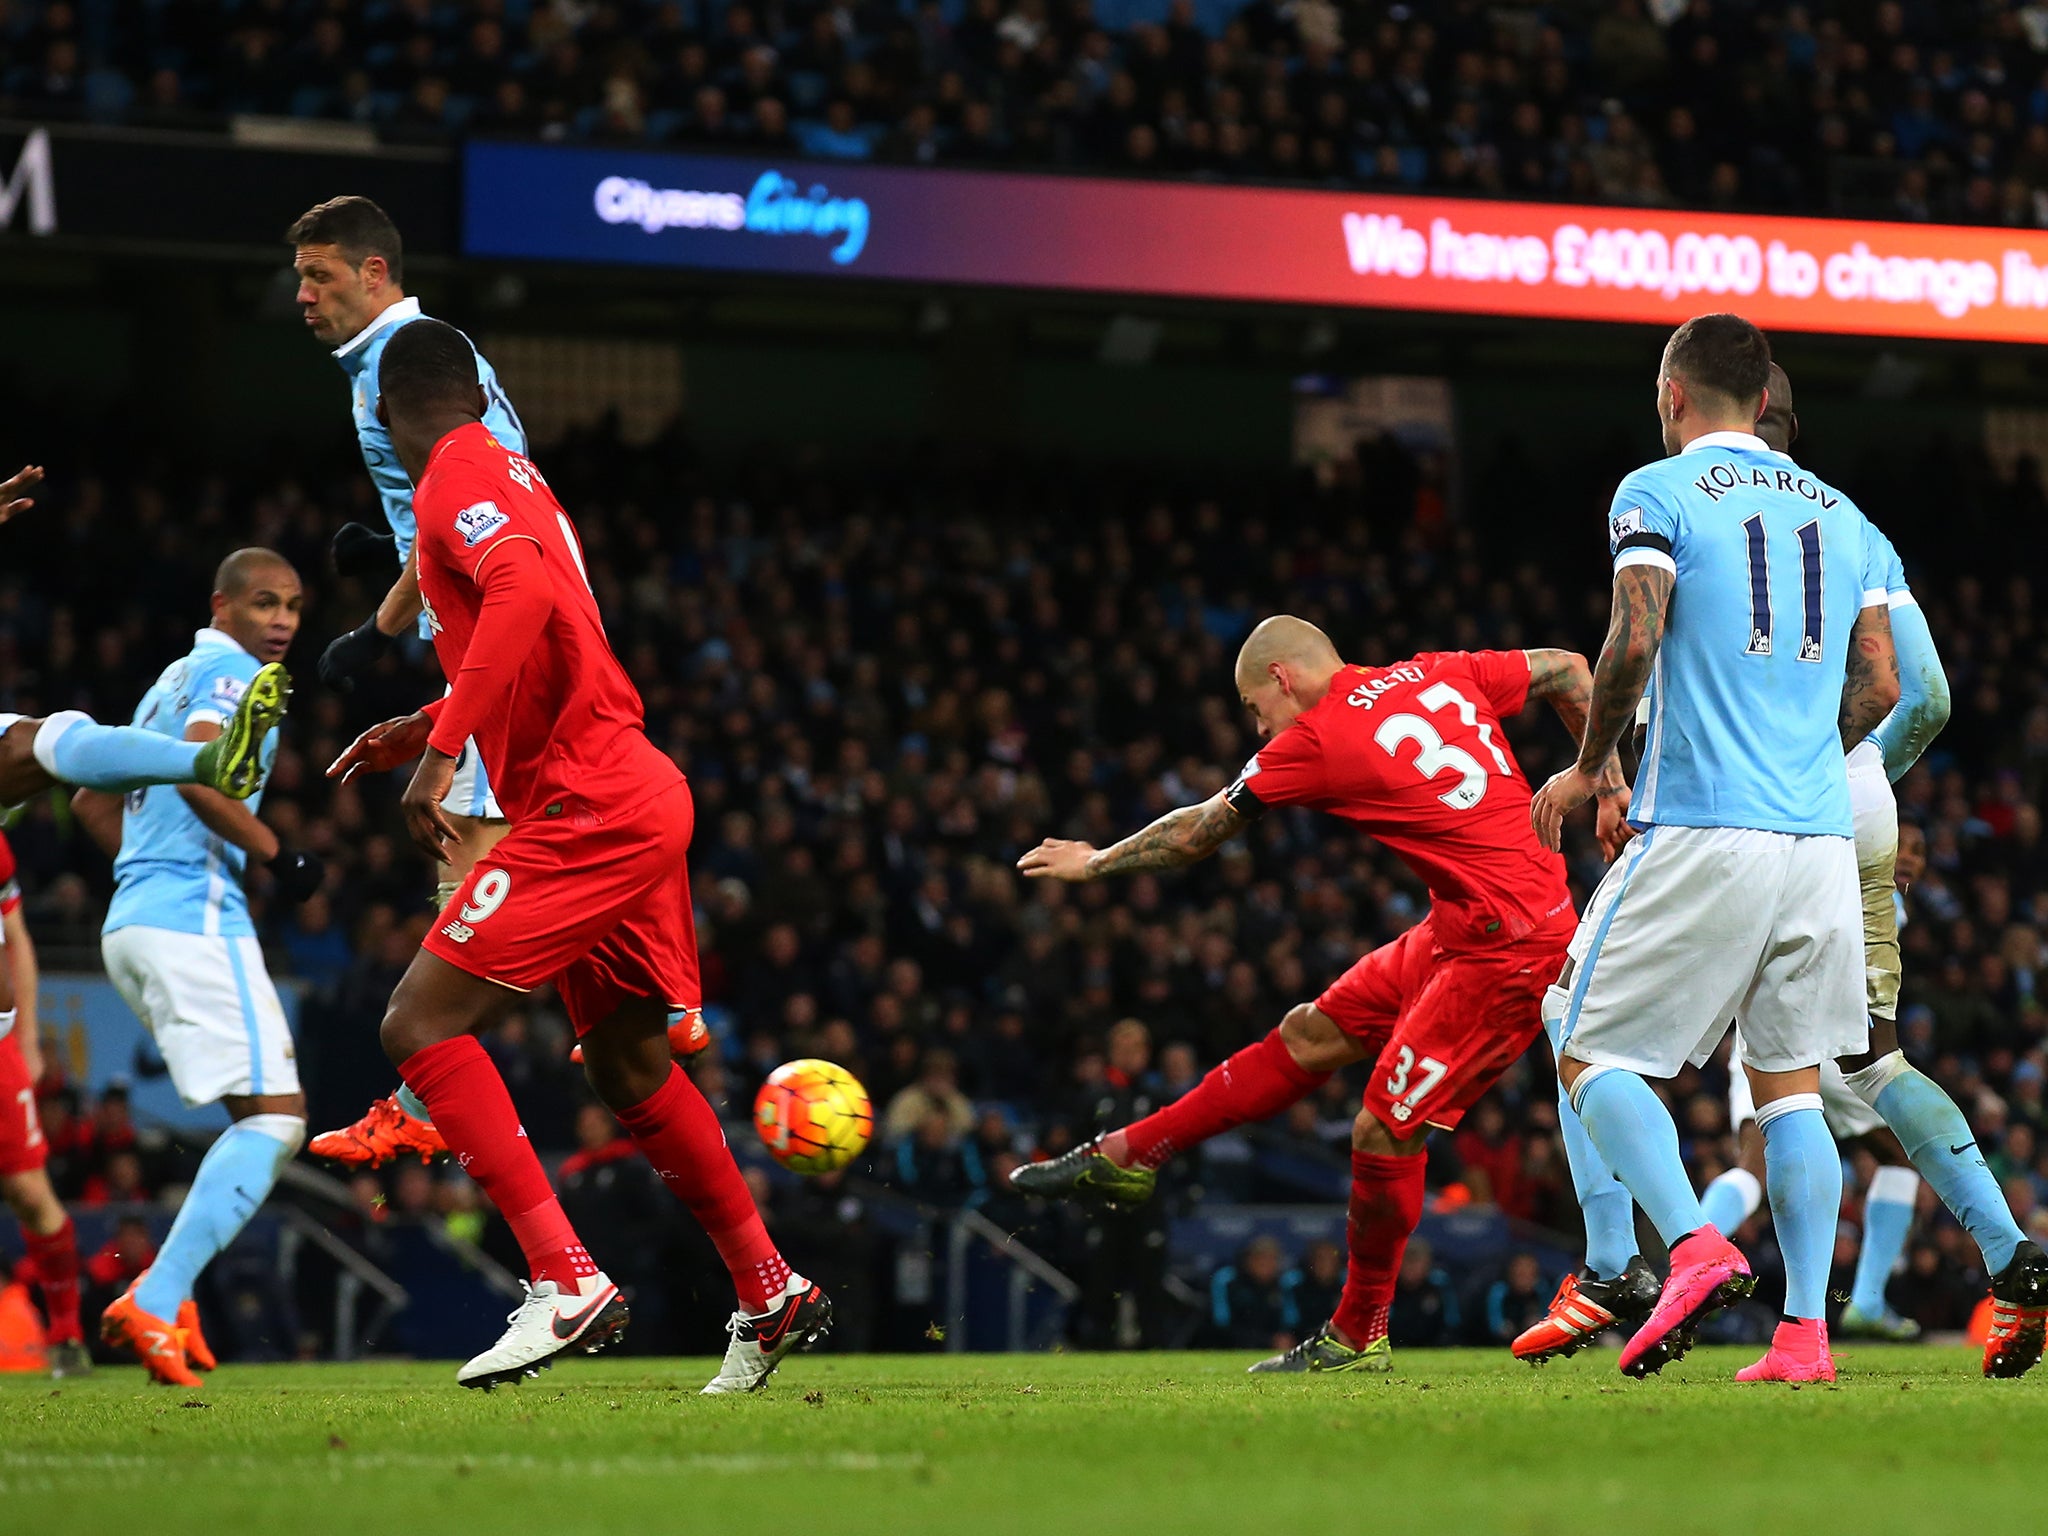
{"x": 813, "y": 1116}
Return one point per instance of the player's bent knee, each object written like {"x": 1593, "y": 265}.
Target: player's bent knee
{"x": 1371, "y": 1135}
{"x": 1314, "y": 1041}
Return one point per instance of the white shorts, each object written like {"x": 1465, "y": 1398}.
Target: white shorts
{"x": 208, "y": 1003}
{"x": 1697, "y": 926}
{"x": 470, "y": 793}
{"x": 1848, "y": 1116}
{"x": 1876, "y": 810}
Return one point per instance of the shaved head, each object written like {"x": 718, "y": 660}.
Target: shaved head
{"x": 245, "y": 567}
{"x": 1285, "y": 667}
{"x": 1285, "y": 638}
{"x": 1779, "y": 424}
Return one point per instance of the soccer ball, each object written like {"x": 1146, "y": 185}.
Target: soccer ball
{"x": 813, "y": 1116}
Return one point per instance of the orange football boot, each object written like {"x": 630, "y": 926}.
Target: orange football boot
{"x": 2019, "y": 1314}
{"x": 155, "y": 1342}
{"x": 1584, "y": 1308}
{"x": 197, "y": 1351}
{"x": 384, "y": 1133}
{"x": 687, "y": 1035}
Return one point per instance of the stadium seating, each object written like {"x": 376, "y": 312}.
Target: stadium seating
{"x": 1889, "y": 110}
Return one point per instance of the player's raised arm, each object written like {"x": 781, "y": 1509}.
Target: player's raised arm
{"x": 1174, "y": 841}
{"x": 1870, "y": 687}
{"x": 14, "y": 490}
{"x": 1642, "y": 599}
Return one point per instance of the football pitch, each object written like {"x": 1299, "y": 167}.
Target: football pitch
{"x": 1911, "y": 1440}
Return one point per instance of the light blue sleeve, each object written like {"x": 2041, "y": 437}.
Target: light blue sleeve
{"x": 1642, "y": 523}
{"x": 1923, "y": 704}
{"x": 215, "y": 687}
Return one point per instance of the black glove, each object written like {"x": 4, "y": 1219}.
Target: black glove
{"x": 298, "y": 875}
{"x": 353, "y": 654}
{"x": 360, "y": 550}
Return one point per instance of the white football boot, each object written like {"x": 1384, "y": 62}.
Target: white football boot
{"x": 549, "y": 1321}
{"x": 801, "y": 1316}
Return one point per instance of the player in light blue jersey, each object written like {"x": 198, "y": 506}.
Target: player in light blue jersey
{"x": 351, "y": 265}
{"x": 180, "y": 947}
{"x": 1749, "y": 602}
{"x": 1876, "y": 1096}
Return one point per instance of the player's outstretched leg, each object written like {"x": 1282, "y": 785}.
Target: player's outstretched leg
{"x": 1944, "y": 1149}
{"x": 1803, "y": 1176}
{"x": 428, "y": 1033}
{"x": 1635, "y": 1134}
{"x": 72, "y": 748}
{"x": 1617, "y": 1288}
{"x": 1262, "y": 1080}
{"x": 627, "y": 1060}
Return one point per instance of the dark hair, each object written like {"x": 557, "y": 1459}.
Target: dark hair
{"x": 1721, "y": 353}
{"x": 426, "y": 363}
{"x": 357, "y": 227}
{"x": 241, "y": 568}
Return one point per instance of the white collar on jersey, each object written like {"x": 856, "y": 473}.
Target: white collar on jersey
{"x": 1747, "y": 440}
{"x": 218, "y": 637}
{"x": 404, "y": 309}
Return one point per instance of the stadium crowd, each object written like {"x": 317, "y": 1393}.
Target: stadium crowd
{"x": 885, "y": 683}
{"x": 1917, "y": 109}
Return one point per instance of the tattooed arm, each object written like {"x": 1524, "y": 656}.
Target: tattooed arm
{"x": 1174, "y": 841}
{"x": 1870, "y": 686}
{"x": 1566, "y": 681}
{"x": 1642, "y": 597}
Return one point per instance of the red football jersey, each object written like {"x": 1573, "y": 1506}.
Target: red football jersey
{"x": 571, "y": 729}
{"x": 1414, "y": 753}
{"x": 10, "y": 882}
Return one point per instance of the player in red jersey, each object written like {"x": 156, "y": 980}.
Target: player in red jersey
{"x": 45, "y": 1226}
{"x": 1414, "y": 754}
{"x": 589, "y": 891}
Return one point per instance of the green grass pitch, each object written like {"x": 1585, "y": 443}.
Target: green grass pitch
{"x": 1911, "y": 1440}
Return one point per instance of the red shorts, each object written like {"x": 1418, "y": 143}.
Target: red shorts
{"x": 599, "y": 907}
{"x": 1442, "y": 1027}
{"x": 22, "y": 1148}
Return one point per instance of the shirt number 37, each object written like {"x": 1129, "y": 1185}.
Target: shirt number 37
{"x": 1435, "y": 757}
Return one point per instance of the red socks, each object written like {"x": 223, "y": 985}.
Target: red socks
{"x": 1255, "y": 1084}
{"x": 679, "y": 1133}
{"x": 474, "y": 1113}
{"x": 55, "y": 1258}
{"x": 1386, "y": 1204}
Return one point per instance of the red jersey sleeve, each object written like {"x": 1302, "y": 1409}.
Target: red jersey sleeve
{"x": 461, "y": 522}
{"x": 1502, "y": 676}
{"x": 1288, "y": 770}
{"x": 10, "y": 883}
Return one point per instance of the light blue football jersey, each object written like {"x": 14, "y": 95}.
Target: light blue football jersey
{"x": 1772, "y": 567}
{"x": 173, "y": 873}
{"x": 358, "y": 359}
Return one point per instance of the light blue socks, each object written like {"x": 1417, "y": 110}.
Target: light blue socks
{"x": 1887, "y": 1219}
{"x": 1732, "y": 1199}
{"x": 1635, "y": 1135}
{"x": 1944, "y": 1149}
{"x": 234, "y": 1177}
{"x": 1803, "y": 1173}
{"x": 413, "y": 1105}
{"x": 78, "y": 750}
{"x": 1604, "y": 1202}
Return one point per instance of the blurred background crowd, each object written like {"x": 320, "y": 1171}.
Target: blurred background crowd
{"x": 1913, "y": 109}
{"x": 885, "y": 682}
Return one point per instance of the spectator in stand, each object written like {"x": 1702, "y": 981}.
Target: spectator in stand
{"x": 1249, "y": 1308}
{"x": 1425, "y": 1308}
{"x": 1516, "y": 1300}
{"x": 936, "y": 1093}
{"x": 1313, "y": 1288}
